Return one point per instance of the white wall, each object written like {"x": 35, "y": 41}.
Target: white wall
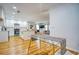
{"x": 64, "y": 22}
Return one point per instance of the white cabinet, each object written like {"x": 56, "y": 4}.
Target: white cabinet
{"x": 3, "y": 36}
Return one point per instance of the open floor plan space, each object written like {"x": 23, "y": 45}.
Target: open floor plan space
{"x": 39, "y": 29}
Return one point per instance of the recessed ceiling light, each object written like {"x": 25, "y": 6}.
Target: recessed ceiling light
{"x": 14, "y": 7}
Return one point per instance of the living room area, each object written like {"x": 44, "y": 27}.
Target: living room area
{"x": 39, "y": 29}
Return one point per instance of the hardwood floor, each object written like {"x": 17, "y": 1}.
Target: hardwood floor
{"x": 18, "y": 46}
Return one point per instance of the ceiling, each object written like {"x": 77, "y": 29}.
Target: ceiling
{"x": 27, "y": 11}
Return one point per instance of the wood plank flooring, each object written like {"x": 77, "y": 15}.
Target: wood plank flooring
{"x": 18, "y": 46}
